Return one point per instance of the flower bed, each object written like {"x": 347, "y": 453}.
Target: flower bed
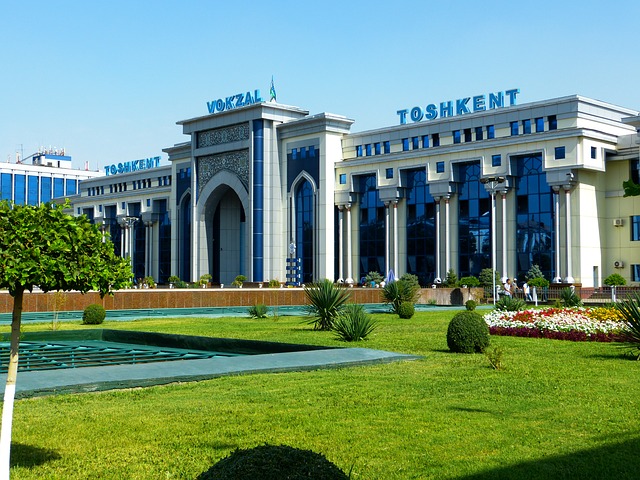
{"x": 602, "y": 324}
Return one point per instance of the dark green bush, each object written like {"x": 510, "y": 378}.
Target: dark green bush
{"x": 410, "y": 279}
{"x": 469, "y": 282}
{"x": 470, "y": 305}
{"x": 615, "y": 279}
{"x": 353, "y": 323}
{"x": 400, "y": 291}
{"x": 93, "y": 314}
{"x": 270, "y": 462}
{"x": 467, "y": 333}
{"x": 326, "y": 300}
{"x": 258, "y": 311}
{"x": 570, "y": 298}
{"x": 406, "y": 310}
{"x": 510, "y": 304}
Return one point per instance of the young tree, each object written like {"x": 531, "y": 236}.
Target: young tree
{"x": 45, "y": 247}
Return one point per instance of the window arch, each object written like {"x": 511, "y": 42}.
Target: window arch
{"x": 304, "y": 228}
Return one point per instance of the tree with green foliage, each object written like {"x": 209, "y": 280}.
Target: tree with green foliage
{"x": 45, "y": 247}
{"x": 485, "y": 277}
{"x": 615, "y": 279}
{"x": 631, "y": 189}
{"x": 451, "y": 280}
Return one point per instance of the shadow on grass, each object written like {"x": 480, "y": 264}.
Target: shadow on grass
{"x": 30, "y": 456}
{"x": 619, "y": 461}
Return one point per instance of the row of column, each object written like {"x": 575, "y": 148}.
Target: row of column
{"x": 391, "y": 241}
{"x": 127, "y": 240}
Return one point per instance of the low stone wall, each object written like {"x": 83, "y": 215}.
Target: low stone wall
{"x": 214, "y": 297}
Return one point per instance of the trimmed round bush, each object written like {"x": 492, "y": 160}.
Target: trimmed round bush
{"x": 270, "y": 462}
{"x": 406, "y": 310}
{"x": 470, "y": 305}
{"x": 467, "y": 333}
{"x": 94, "y": 314}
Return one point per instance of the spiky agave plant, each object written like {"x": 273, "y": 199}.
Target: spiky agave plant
{"x": 353, "y": 324}
{"x": 326, "y": 301}
{"x": 630, "y": 311}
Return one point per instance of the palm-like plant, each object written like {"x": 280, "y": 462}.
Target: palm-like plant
{"x": 630, "y": 311}
{"x": 353, "y": 323}
{"x": 398, "y": 292}
{"x": 326, "y": 301}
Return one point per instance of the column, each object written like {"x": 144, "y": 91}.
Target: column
{"x": 148, "y": 254}
{"x": 505, "y": 269}
{"x": 437, "y": 200}
{"x": 386, "y": 238}
{"x": 447, "y": 236}
{"x": 567, "y": 196}
{"x": 349, "y": 278}
{"x": 340, "y": 244}
{"x": 556, "y": 212}
{"x": 494, "y": 247}
{"x": 395, "y": 237}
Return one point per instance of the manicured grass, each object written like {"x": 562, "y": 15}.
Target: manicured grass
{"x": 557, "y": 410}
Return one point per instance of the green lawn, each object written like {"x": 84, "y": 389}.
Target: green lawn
{"x": 557, "y": 410}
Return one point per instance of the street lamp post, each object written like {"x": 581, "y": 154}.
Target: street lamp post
{"x": 493, "y": 182}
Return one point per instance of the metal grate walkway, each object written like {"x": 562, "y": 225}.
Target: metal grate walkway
{"x": 61, "y": 355}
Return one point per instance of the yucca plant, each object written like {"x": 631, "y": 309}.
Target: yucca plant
{"x": 398, "y": 292}
{"x": 326, "y": 301}
{"x": 509, "y": 304}
{"x": 258, "y": 311}
{"x": 353, "y": 323}
{"x": 630, "y": 311}
{"x": 570, "y": 298}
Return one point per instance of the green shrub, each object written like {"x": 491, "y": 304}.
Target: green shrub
{"x": 239, "y": 280}
{"x": 271, "y": 462}
{"x": 471, "y": 305}
{"x": 570, "y": 298}
{"x": 410, "y": 279}
{"x": 181, "y": 284}
{"x": 485, "y": 277}
{"x": 326, "y": 300}
{"x": 630, "y": 311}
{"x": 93, "y": 314}
{"x": 173, "y": 279}
{"x": 353, "y": 323}
{"x": 539, "y": 283}
{"x": 373, "y": 277}
{"x": 469, "y": 282}
{"x": 274, "y": 283}
{"x": 149, "y": 281}
{"x": 615, "y": 279}
{"x": 494, "y": 355}
{"x": 510, "y": 304}
{"x": 400, "y": 291}
{"x": 406, "y": 310}
{"x": 467, "y": 333}
{"x": 451, "y": 280}
{"x": 258, "y": 311}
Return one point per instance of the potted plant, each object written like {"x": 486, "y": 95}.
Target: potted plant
{"x": 239, "y": 280}
{"x": 173, "y": 279}
{"x": 148, "y": 282}
{"x": 204, "y": 280}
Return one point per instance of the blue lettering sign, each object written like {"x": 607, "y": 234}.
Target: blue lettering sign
{"x": 234, "y": 101}
{"x": 477, "y": 103}
{"x": 132, "y": 166}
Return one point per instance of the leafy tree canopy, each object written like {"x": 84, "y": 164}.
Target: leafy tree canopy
{"x": 631, "y": 189}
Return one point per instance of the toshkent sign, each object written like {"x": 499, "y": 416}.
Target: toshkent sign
{"x": 460, "y": 106}
{"x": 132, "y": 166}
{"x": 234, "y": 101}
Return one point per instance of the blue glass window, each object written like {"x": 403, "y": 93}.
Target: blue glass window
{"x": 534, "y": 217}
{"x": 304, "y": 229}
{"x": 479, "y": 133}
{"x": 425, "y": 141}
{"x": 553, "y": 122}
{"x": 474, "y": 220}
{"x": 405, "y": 144}
{"x": 303, "y": 153}
{"x": 439, "y": 167}
{"x": 294, "y": 153}
{"x": 539, "y": 124}
{"x": 420, "y": 228}
{"x": 594, "y": 152}
{"x": 164, "y": 239}
{"x": 435, "y": 139}
{"x": 559, "y": 153}
{"x": 377, "y": 148}
{"x": 514, "y": 128}
{"x": 526, "y": 126}
{"x": 415, "y": 143}
{"x": 372, "y": 229}
{"x": 148, "y": 202}
{"x": 72, "y": 186}
{"x": 32, "y": 190}
{"x": 358, "y": 150}
{"x": 19, "y": 195}
{"x": 635, "y": 228}
{"x": 496, "y": 160}
{"x": 491, "y": 132}
{"x": 343, "y": 179}
{"x": 7, "y": 186}
{"x": 467, "y": 135}
{"x": 456, "y": 136}
{"x": 367, "y": 149}
{"x": 312, "y": 151}
{"x": 387, "y": 146}
{"x": 58, "y": 187}
{"x": 635, "y": 171}
{"x": 389, "y": 172}
{"x": 45, "y": 189}
{"x": 635, "y": 273}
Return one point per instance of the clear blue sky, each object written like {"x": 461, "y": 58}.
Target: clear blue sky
{"x": 108, "y": 80}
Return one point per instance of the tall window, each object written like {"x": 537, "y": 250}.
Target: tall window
{"x": 32, "y": 190}
{"x": 7, "y": 186}
{"x": 371, "y": 227}
{"x": 20, "y": 189}
{"x": 421, "y": 228}
{"x": 635, "y": 171}
{"x": 304, "y": 229}
{"x": 45, "y": 189}
{"x": 185, "y": 239}
{"x": 58, "y": 187}
{"x": 112, "y": 227}
{"x": 164, "y": 240}
{"x": 139, "y": 241}
{"x": 635, "y": 228}
{"x": 534, "y": 217}
{"x": 474, "y": 221}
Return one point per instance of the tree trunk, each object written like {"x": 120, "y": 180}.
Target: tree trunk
{"x": 10, "y": 388}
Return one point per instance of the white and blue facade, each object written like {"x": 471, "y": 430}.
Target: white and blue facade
{"x": 464, "y": 184}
